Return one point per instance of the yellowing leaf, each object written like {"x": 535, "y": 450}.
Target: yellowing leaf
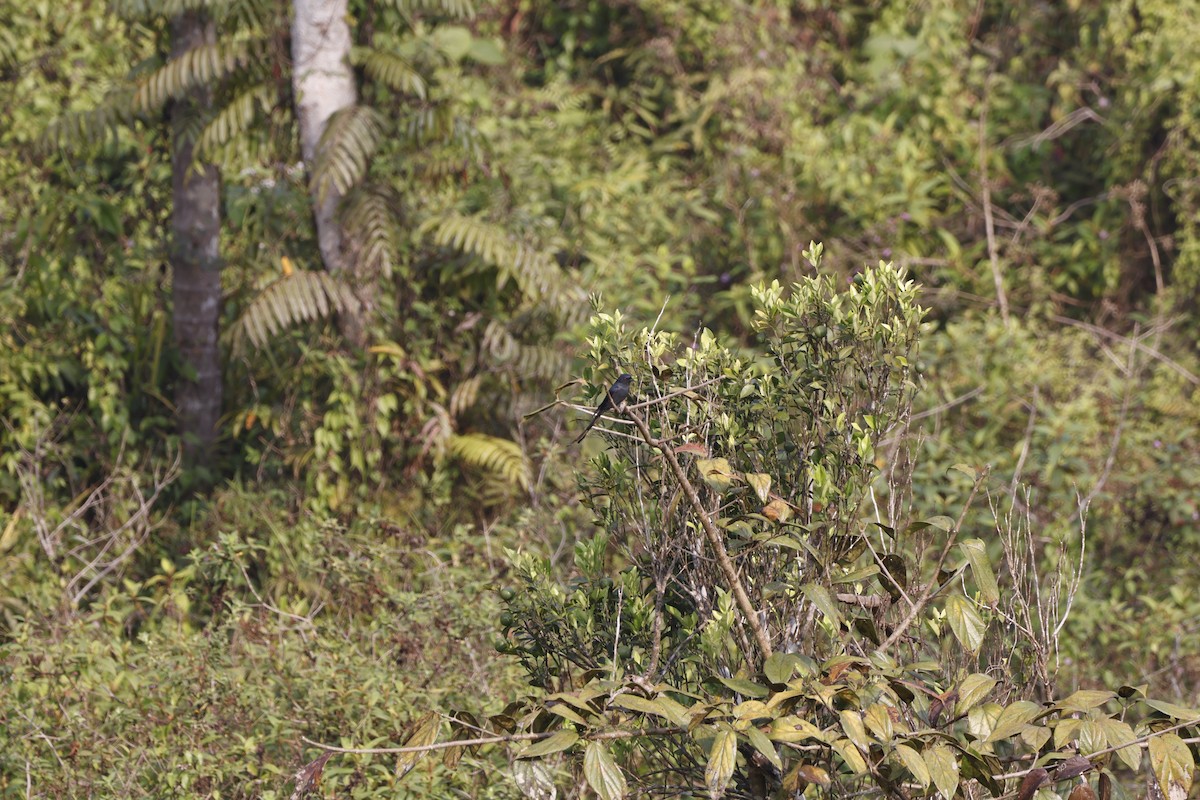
{"x": 286, "y": 264}
{"x": 1173, "y": 765}
{"x": 972, "y": 690}
{"x": 914, "y": 763}
{"x": 777, "y": 511}
{"x": 1085, "y": 700}
{"x": 1013, "y": 719}
{"x": 715, "y": 472}
{"x": 761, "y": 483}
{"x": 943, "y": 768}
{"x": 425, "y": 732}
{"x": 721, "y": 760}
{"x": 852, "y": 724}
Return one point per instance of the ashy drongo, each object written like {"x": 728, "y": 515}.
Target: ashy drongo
{"x": 616, "y": 395}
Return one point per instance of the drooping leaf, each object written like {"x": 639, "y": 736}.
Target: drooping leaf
{"x": 976, "y": 552}
{"x": 722, "y": 758}
{"x": 943, "y": 769}
{"x": 534, "y": 780}
{"x": 913, "y": 762}
{"x": 560, "y": 741}
{"x": 425, "y": 732}
{"x": 965, "y": 621}
{"x": 1173, "y": 765}
{"x": 602, "y": 773}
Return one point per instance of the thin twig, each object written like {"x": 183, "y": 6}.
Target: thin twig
{"x": 927, "y": 594}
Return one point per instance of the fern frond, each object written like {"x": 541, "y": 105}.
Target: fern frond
{"x": 89, "y": 128}
{"x": 464, "y": 396}
{"x": 370, "y": 217}
{"x": 453, "y": 9}
{"x": 500, "y": 457}
{"x": 347, "y": 145}
{"x": 433, "y": 123}
{"x": 391, "y": 70}
{"x": 302, "y": 296}
{"x": 538, "y": 277}
{"x": 234, "y": 120}
{"x": 203, "y": 64}
{"x": 525, "y": 360}
{"x": 220, "y": 10}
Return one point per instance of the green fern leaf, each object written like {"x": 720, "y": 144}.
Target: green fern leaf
{"x": 391, "y": 70}
{"x": 371, "y": 220}
{"x": 204, "y": 64}
{"x": 303, "y": 296}
{"x": 499, "y": 457}
{"x": 345, "y": 149}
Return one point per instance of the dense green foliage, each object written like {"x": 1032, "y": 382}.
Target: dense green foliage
{"x": 1030, "y": 165}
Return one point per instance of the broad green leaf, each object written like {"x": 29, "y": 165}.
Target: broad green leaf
{"x": 555, "y": 744}
{"x": 663, "y": 707}
{"x": 1173, "y": 765}
{"x": 722, "y": 758}
{"x": 751, "y": 710}
{"x": 976, "y": 552}
{"x": 1013, "y": 719}
{"x": 743, "y": 686}
{"x": 943, "y": 768}
{"x": 965, "y": 621}
{"x": 1035, "y": 736}
{"x": 820, "y": 597}
{"x": 852, "y": 724}
{"x": 914, "y": 763}
{"x": 974, "y": 688}
{"x": 1117, "y": 733}
{"x": 1181, "y": 713}
{"x": 763, "y": 745}
{"x": 1085, "y": 700}
{"x": 761, "y": 483}
{"x": 453, "y": 40}
{"x": 486, "y": 51}
{"x": 780, "y": 667}
{"x": 602, "y": 773}
{"x": 1064, "y": 731}
{"x": 1091, "y": 738}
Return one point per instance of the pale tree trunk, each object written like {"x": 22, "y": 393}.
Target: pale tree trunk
{"x": 195, "y": 260}
{"x": 323, "y": 84}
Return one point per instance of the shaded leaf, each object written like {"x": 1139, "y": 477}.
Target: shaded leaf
{"x": 976, "y": 552}
{"x": 602, "y": 773}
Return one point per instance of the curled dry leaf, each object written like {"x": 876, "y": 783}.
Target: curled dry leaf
{"x": 1036, "y": 779}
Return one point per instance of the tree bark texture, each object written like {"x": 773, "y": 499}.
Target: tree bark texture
{"x": 323, "y": 84}
{"x": 195, "y": 259}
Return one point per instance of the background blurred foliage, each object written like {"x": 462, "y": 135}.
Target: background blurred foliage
{"x": 531, "y": 152}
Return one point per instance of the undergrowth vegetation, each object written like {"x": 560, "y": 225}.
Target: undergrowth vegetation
{"x": 332, "y": 573}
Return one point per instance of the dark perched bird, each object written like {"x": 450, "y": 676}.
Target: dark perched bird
{"x": 615, "y": 396}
